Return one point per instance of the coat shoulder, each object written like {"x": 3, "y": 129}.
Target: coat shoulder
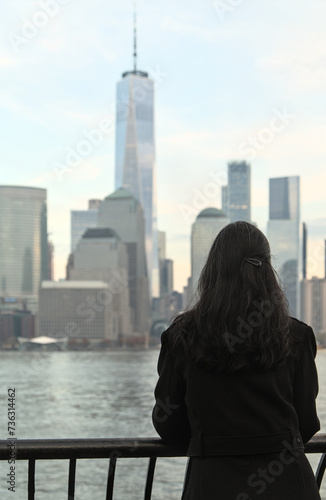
{"x": 300, "y": 329}
{"x": 303, "y": 336}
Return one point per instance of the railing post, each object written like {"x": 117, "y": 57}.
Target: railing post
{"x": 111, "y": 474}
{"x": 150, "y": 478}
{"x": 320, "y": 470}
{"x": 31, "y": 479}
{"x": 72, "y": 479}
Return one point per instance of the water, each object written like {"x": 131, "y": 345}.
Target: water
{"x": 93, "y": 395}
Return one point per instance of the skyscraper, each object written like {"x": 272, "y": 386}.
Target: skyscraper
{"x": 23, "y": 242}
{"x": 304, "y": 250}
{"x": 236, "y": 195}
{"x": 135, "y": 153}
{"x": 121, "y": 212}
{"x": 206, "y": 227}
{"x": 284, "y": 235}
{"x": 101, "y": 255}
{"x": 80, "y": 220}
{"x": 313, "y": 305}
{"x": 166, "y": 267}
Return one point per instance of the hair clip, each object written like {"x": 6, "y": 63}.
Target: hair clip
{"x": 254, "y": 262}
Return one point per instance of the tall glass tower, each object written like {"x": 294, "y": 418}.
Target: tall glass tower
{"x": 23, "y": 242}
{"x": 209, "y": 222}
{"x": 135, "y": 154}
{"x": 80, "y": 220}
{"x": 284, "y": 234}
{"x": 236, "y": 195}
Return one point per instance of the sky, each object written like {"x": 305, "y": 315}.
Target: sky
{"x": 234, "y": 80}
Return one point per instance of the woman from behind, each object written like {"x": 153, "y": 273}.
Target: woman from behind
{"x": 237, "y": 380}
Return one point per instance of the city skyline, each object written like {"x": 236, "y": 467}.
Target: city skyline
{"x": 220, "y": 97}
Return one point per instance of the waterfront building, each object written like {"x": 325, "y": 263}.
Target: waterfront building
{"x": 208, "y": 224}
{"x": 304, "y": 250}
{"x": 135, "y": 155}
{"x": 225, "y": 204}
{"x": 163, "y": 307}
{"x": 187, "y": 294}
{"x": 23, "y": 242}
{"x": 236, "y": 196}
{"x": 77, "y": 310}
{"x": 313, "y": 306}
{"x": 166, "y": 277}
{"x": 80, "y": 220}
{"x": 122, "y": 212}
{"x": 50, "y": 260}
{"x": 166, "y": 267}
{"x": 285, "y": 236}
{"x": 15, "y": 323}
{"x": 100, "y": 255}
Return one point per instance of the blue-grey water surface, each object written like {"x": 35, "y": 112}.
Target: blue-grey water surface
{"x": 93, "y": 395}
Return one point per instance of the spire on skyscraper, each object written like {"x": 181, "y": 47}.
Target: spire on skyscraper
{"x": 135, "y": 71}
{"x": 135, "y": 39}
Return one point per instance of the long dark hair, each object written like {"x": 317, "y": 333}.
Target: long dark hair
{"x": 241, "y": 320}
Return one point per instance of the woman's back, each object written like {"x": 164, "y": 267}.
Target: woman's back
{"x": 241, "y": 398}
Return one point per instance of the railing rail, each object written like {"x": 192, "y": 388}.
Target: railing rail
{"x": 113, "y": 449}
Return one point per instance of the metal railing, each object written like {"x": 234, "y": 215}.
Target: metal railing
{"x": 114, "y": 449}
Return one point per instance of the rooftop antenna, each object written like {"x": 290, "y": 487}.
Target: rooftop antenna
{"x": 135, "y": 39}
{"x": 135, "y": 71}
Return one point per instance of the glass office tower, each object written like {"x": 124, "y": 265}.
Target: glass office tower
{"x": 23, "y": 242}
{"x": 284, "y": 235}
{"x": 135, "y": 156}
{"x": 80, "y": 221}
{"x": 209, "y": 222}
{"x": 236, "y": 195}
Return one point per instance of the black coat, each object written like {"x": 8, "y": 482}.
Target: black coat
{"x": 244, "y": 432}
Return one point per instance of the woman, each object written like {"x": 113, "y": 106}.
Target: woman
{"x": 237, "y": 380}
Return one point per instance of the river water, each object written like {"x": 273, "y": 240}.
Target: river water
{"x": 93, "y": 395}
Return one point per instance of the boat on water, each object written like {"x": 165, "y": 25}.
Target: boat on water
{"x": 43, "y": 343}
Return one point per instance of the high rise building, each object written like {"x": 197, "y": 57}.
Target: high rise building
{"x": 166, "y": 267}
{"x": 123, "y": 213}
{"x": 208, "y": 224}
{"x": 82, "y": 220}
{"x": 23, "y": 242}
{"x": 100, "y": 255}
{"x": 225, "y": 204}
{"x": 135, "y": 154}
{"x": 50, "y": 260}
{"x": 313, "y": 305}
{"x": 304, "y": 250}
{"x": 285, "y": 236}
{"x": 236, "y": 196}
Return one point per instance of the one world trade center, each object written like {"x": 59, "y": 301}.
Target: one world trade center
{"x": 135, "y": 154}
